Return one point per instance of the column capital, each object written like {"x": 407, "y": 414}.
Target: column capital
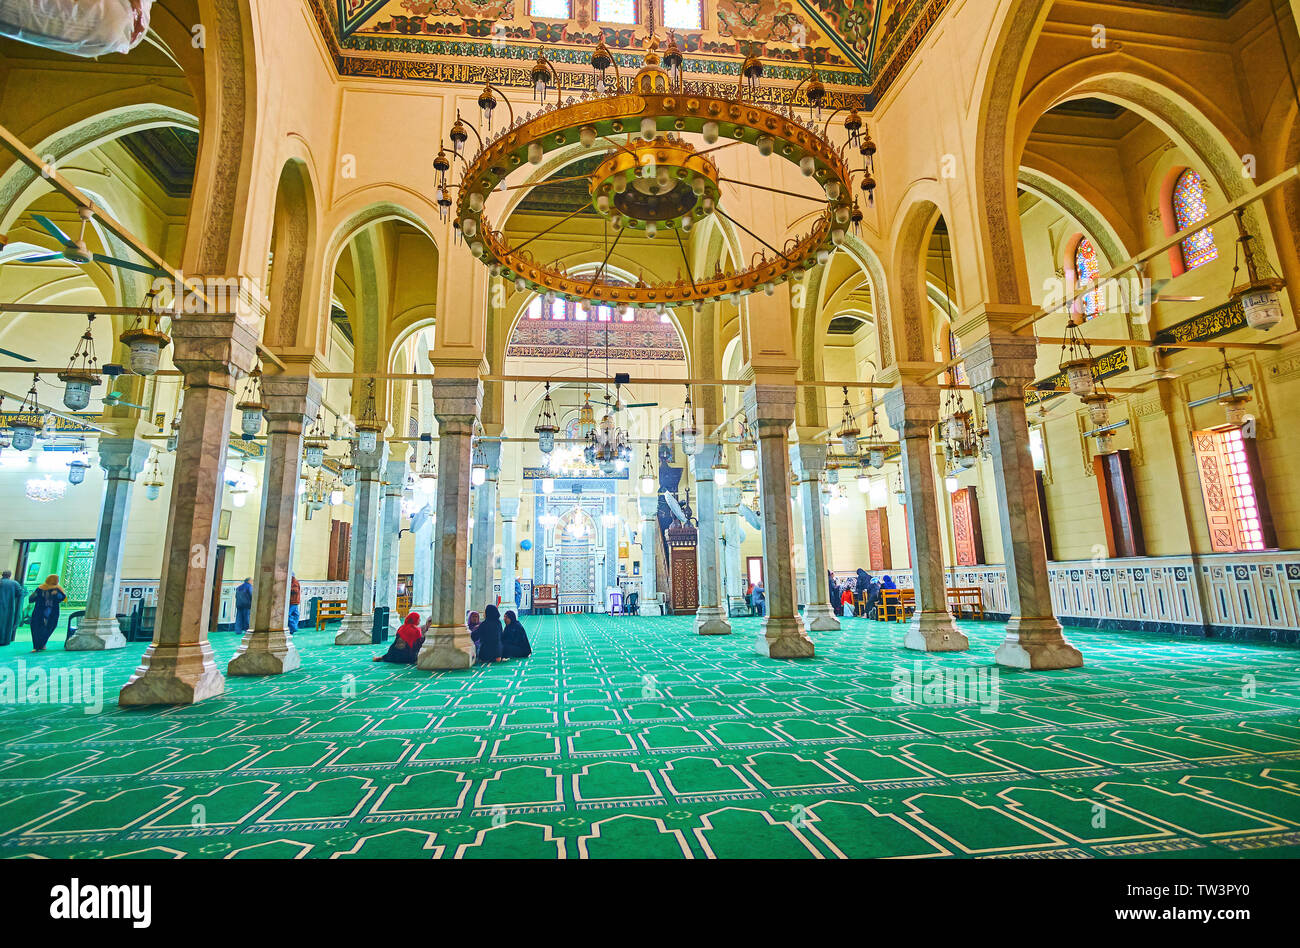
{"x": 370, "y": 465}
{"x": 490, "y": 449}
{"x": 771, "y": 407}
{"x": 913, "y": 410}
{"x": 704, "y": 460}
{"x": 1001, "y": 365}
{"x": 648, "y": 506}
{"x": 990, "y": 319}
{"x": 457, "y": 403}
{"x": 213, "y": 294}
{"x": 810, "y": 458}
{"x": 509, "y": 507}
{"x": 292, "y": 398}
{"x": 394, "y": 476}
{"x": 123, "y": 458}
{"x": 214, "y": 351}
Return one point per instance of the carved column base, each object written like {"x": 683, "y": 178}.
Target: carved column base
{"x": 711, "y": 621}
{"x": 265, "y": 653}
{"x": 1037, "y": 644}
{"x": 355, "y": 630}
{"x": 935, "y": 632}
{"x": 819, "y": 617}
{"x": 96, "y": 635}
{"x": 171, "y": 674}
{"x": 784, "y": 637}
{"x": 446, "y": 649}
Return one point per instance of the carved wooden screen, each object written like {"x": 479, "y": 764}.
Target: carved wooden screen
{"x": 967, "y": 536}
{"x": 1236, "y": 506}
{"x": 878, "y": 540}
{"x": 336, "y": 566}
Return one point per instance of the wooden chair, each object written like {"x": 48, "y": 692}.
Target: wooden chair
{"x": 330, "y": 609}
{"x": 963, "y": 599}
{"x": 544, "y": 598}
{"x": 890, "y": 607}
{"x": 907, "y": 598}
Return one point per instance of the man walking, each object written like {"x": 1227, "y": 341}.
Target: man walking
{"x": 295, "y": 602}
{"x": 243, "y": 605}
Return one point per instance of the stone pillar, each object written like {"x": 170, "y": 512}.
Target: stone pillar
{"x": 122, "y": 460}
{"x": 509, "y": 515}
{"x": 268, "y": 648}
{"x": 390, "y": 526}
{"x": 711, "y": 618}
{"x": 819, "y": 613}
{"x": 913, "y": 412}
{"x": 356, "y": 626}
{"x": 422, "y": 584}
{"x": 481, "y": 567}
{"x": 456, "y": 403}
{"x": 1000, "y": 366}
{"x": 772, "y": 408}
{"x": 212, "y": 352}
{"x": 733, "y": 569}
{"x": 649, "y": 509}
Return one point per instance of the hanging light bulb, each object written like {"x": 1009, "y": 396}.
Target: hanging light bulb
{"x": 252, "y": 407}
{"x": 27, "y": 421}
{"x": 487, "y": 103}
{"x": 849, "y": 430}
{"x": 647, "y": 474}
{"x": 82, "y": 373}
{"x": 864, "y": 481}
{"x": 543, "y": 77}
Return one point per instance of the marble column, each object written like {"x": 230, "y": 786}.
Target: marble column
{"x": 456, "y": 404}
{"x": 481, "y": 567}
{"x": 422, "y": 583}
{"x": 733, "y": 569}
{"x": 390, "y": 526}
{"x": 268, "y": 648}
{"x": 357, "y": 625}
{"x": 819, "y": 613}
{"x": 122, "y": 460}
{"x": 772, "y": 408}
{"x": 212, "y": 352}
{"x": 711, "y": 618}
{"x": 1000, "y": 366}
{"x": 509, "y": 516}
{"x": 648, "y": 505}
{"x": 913, "y": 412}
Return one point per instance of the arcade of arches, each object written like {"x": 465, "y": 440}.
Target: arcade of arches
{"x": 1039, "y": 380}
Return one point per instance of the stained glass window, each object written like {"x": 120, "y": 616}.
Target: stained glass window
{"x": 616, "y": 11}
{"x": 684, "y": 14}
{"x": 1189, "y": 208}
{"x": 549, "y": 9}
{"x": 535, "y": 308}
{"x": 1086, "y": 267}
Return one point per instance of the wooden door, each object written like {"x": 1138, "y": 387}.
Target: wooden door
{"x": 967, "y": 537}
{"x": 1119, "y": 509}
{"x": 218, "y": 577}
{"x": 878, "y": 540}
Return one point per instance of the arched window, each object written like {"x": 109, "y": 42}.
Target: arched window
{"x": 1188, "y": 201}
{"x": 1086, "y": 267}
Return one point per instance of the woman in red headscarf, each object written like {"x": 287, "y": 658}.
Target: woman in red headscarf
{"x": 406, "y": 644}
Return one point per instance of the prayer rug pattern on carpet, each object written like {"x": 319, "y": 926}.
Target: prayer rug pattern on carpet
{"x": 627, "y": 737}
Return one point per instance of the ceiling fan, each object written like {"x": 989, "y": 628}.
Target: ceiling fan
{"x": 76, "y": 251}
{"x": 117, "y": 399}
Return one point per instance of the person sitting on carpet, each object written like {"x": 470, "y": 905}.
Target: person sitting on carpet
{"x": 514, "y": 638}
{"x": 489, "y": 637}
{"x": 45, "y": 612}
{"x": 406, "y": 646}
{"x": 846, "y": 602}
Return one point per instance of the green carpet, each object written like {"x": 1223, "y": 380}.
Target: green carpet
{"x": 635, "y": 738}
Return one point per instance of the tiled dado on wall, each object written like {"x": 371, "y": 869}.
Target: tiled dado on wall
{"x": 133, "y": 591}
{"x": 1246, "y": 595}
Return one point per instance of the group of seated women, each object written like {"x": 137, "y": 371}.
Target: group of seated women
{"x": 493, "y": 641}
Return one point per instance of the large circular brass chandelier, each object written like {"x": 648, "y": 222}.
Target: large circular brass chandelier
{"x": 653, "y": 181}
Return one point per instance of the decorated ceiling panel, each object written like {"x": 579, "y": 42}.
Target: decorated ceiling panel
{"x": 857, "y": 45}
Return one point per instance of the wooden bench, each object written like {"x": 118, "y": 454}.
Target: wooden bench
{"x": 962, "y": 599}
{"x": 327, "y": 610}
{"x": 544, "y": 598}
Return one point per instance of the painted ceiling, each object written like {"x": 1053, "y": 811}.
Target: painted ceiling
{"x": 858, "y": 46}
